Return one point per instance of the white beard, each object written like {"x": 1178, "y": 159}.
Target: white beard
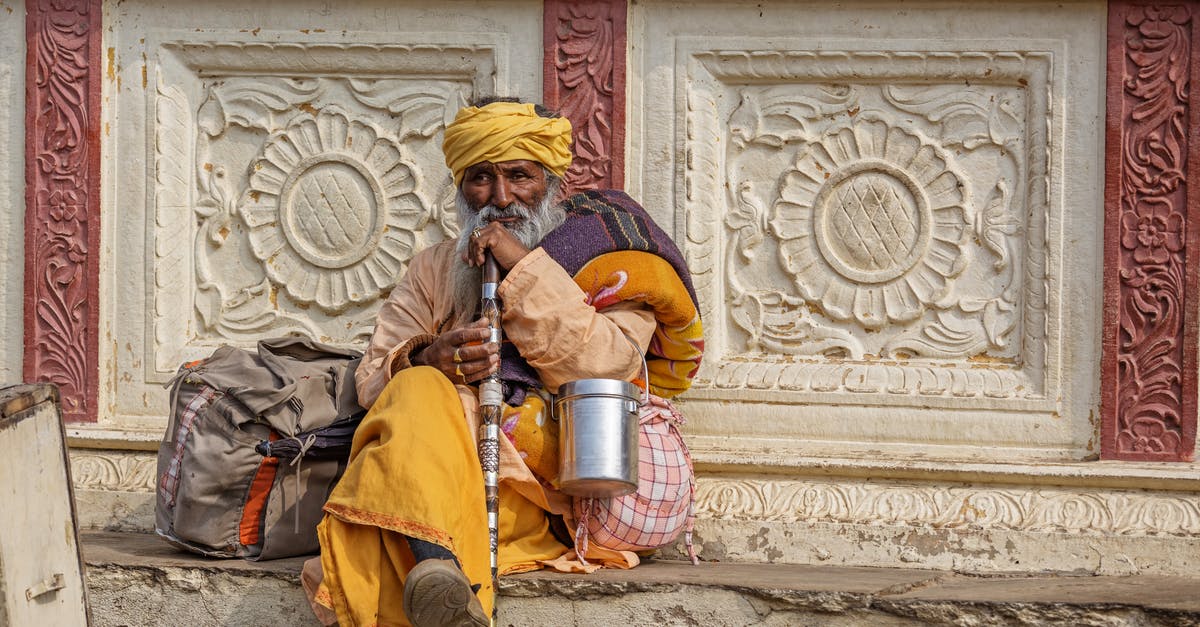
{"x": 534, "y": 224}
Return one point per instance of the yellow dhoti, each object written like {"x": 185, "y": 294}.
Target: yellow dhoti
{"x": 414, "y": 472}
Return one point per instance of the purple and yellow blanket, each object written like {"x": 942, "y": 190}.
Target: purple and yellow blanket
{"x": 616, "y": 252}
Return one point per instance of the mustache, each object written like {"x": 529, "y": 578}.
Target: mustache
{"x": 491, "y": 213}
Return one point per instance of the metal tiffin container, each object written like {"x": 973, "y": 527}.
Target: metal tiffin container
{"x": 598, "y": 437}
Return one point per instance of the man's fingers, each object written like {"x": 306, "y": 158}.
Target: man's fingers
{"x": 470, "y": 335}
{"x": 479, "y": 368}
{"x": 494, "y": 236}
{"x": 477, "y": 352}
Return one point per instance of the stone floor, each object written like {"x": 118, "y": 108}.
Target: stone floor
{"x": 136, "y": 579}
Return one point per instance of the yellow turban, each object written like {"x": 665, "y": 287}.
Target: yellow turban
{"x": 504, "y": 131}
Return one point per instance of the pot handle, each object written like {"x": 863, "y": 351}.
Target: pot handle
{"x": 645, "y": 370}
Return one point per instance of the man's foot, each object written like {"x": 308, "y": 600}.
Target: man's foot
{"x": 437, "y": 593}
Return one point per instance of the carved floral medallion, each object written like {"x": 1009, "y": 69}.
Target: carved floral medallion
{"x": 871, "y": 224}
{"x": 325, "y": 205}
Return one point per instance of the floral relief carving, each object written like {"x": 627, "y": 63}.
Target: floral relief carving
{"x": 62, "y": 231}
{"x": 585, "y": 81}
{"x": 331, "y": 208}
{"x": 871, "y": 224}
{"x": 1154, "y": 235}
{"x": 1149, "y": 370}
{"x": 326, "y": 206}
{"x": 112, "y": 471}
{"x": 1051, "y": 510}
{"x": 882, "y": 230}
{"x": 309, "y": 193}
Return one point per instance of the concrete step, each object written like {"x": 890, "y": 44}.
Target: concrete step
{"x": 137, "y": 579}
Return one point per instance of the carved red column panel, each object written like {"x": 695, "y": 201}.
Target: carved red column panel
{"x": 62, "y": 200}
{"x": 1152, "y": 233}
{"x": 584, "y": 79}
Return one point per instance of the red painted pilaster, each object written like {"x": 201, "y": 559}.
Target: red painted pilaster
{"x": 62, "y": 200}
{"x": 584, "y": 79}
{"x": 1152, "y": 233}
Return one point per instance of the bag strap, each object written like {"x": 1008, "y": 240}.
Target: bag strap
{"x": 587, "y": 505}
{"x": 645, "y": 369}
{"x": 304, "y": 446}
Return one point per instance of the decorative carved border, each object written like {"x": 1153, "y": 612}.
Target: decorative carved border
{"x": 584, "y": 79}
{"x": 1089, "y": 512}
{"x": 1149, "y": 366}
{"x": 62, "y": 200}
{"x": 113, "y": 471}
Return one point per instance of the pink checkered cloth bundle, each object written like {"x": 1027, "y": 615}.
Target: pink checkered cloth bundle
{"x": 661, "y": 508}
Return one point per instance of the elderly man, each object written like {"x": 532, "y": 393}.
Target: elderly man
{"x": 405, "y": 534}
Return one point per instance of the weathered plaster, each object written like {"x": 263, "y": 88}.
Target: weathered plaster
{"x": 135, "y": 579}
{"x": 12, "y": 189}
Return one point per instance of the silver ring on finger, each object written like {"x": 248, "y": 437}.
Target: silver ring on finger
{"x": 457, "y": 357}
{"x": 475, "y": 234}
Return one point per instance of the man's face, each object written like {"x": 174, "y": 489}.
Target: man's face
{"x": 500, "y": 184}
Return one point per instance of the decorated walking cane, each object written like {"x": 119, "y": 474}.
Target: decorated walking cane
{"x": 491, "y": 395}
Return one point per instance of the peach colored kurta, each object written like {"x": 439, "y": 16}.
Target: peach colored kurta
{"x": 545, "y": 315}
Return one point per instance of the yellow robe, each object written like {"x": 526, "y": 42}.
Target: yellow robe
{"x": 413, "y": 468}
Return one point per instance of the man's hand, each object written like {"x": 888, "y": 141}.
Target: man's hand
{"x": 505, "y": 247}
{"x": 463, "y": 354}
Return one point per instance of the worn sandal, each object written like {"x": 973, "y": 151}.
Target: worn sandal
{"x": 437, "y": 593}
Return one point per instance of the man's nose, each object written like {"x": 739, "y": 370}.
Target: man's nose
{"x": 501, "y": 194}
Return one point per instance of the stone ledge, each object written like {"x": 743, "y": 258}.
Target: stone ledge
{"x": 134, "y": 578}
{"x": 850, "y": 513}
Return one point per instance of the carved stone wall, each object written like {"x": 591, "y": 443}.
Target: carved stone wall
{"x": 887, "y": 251}
{"x": 62, "y": 190}
{"x": 896, "y": 235}
{"x": 967, "y": 528}
{"x": 289, "y": 175}
{"x": 113, "y": 471}
{"x": 1152, "y": 233}
{"x": 12, "y": 173}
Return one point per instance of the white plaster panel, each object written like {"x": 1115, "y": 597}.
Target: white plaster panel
{"x": 12, "y": 189}
{"x": 876, "y": 206}
{"x": 275, "y": 170}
